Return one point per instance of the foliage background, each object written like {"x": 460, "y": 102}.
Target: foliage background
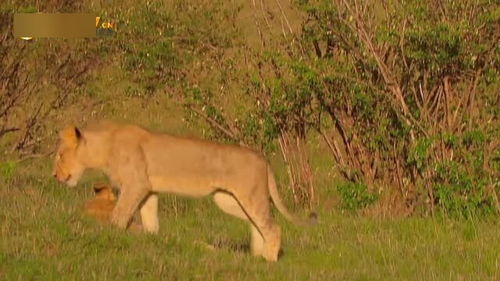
{"x": 401, "y": 95}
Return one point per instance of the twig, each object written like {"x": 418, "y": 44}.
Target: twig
{"x": 261, "y": 36}
{"x": 446, "y": 87}
{"x": 216, "y": 124}
{"x": 33, "y": 156}
{"x": 306, "y": 169}
{"x": 285, "y": 17}
{"x": 401, "y": 44}
{"x": 284, "y": 152}
{"x": 6, "y": 131}
{"x": 333, "y": 146}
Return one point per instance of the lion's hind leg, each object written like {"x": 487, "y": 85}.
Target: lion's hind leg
{"x": 257, "y": 207}
{"x": 271, "y": 233}
{"x": 227, "y": 203}
{"x": 257, "y": 245}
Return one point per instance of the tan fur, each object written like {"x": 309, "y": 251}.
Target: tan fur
{"x": 142, "y": 163}
{"x": 101, "y": 206}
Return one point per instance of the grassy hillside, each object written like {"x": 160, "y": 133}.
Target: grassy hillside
{"x": 45, "y": 237}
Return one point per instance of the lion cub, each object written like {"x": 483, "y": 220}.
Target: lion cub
{"x": 101, "y": 206}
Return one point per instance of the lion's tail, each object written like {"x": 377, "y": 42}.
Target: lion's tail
{"x": 273, "y": 190}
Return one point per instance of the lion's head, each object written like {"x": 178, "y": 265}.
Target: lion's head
{"x": 68, "y": 166}
{"x": 101, "y": 206}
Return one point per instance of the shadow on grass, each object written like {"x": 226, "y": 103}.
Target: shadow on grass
{"x": 234, "y": 246}
{"x": 231, "y": 245}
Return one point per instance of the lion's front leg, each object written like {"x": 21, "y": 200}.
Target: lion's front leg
{"x": 127, "y": 204}
{"x": 129, "y": 170}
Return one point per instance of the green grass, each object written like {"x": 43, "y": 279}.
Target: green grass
{"x": 44, "y": 236}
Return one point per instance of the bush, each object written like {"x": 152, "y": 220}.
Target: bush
{"x": 355, "y": 196}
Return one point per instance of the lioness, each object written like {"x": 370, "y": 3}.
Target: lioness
{"x": 141, "y": 163}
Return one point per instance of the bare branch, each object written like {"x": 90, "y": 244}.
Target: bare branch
{"x": 217, "y": 125}
{"x": 8, "y": 130}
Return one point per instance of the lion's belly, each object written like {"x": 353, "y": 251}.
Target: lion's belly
{"x": 183, "y": 186}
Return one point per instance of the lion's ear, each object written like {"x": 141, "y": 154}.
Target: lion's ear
{"x": 98, "y": 187}
{"x": 71, "y": 134}
{"x": 104, "y": 191}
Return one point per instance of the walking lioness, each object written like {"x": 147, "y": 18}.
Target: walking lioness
{"x": 141, "y": 163}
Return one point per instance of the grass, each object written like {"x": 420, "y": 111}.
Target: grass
{"x": 44, "y": 236}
